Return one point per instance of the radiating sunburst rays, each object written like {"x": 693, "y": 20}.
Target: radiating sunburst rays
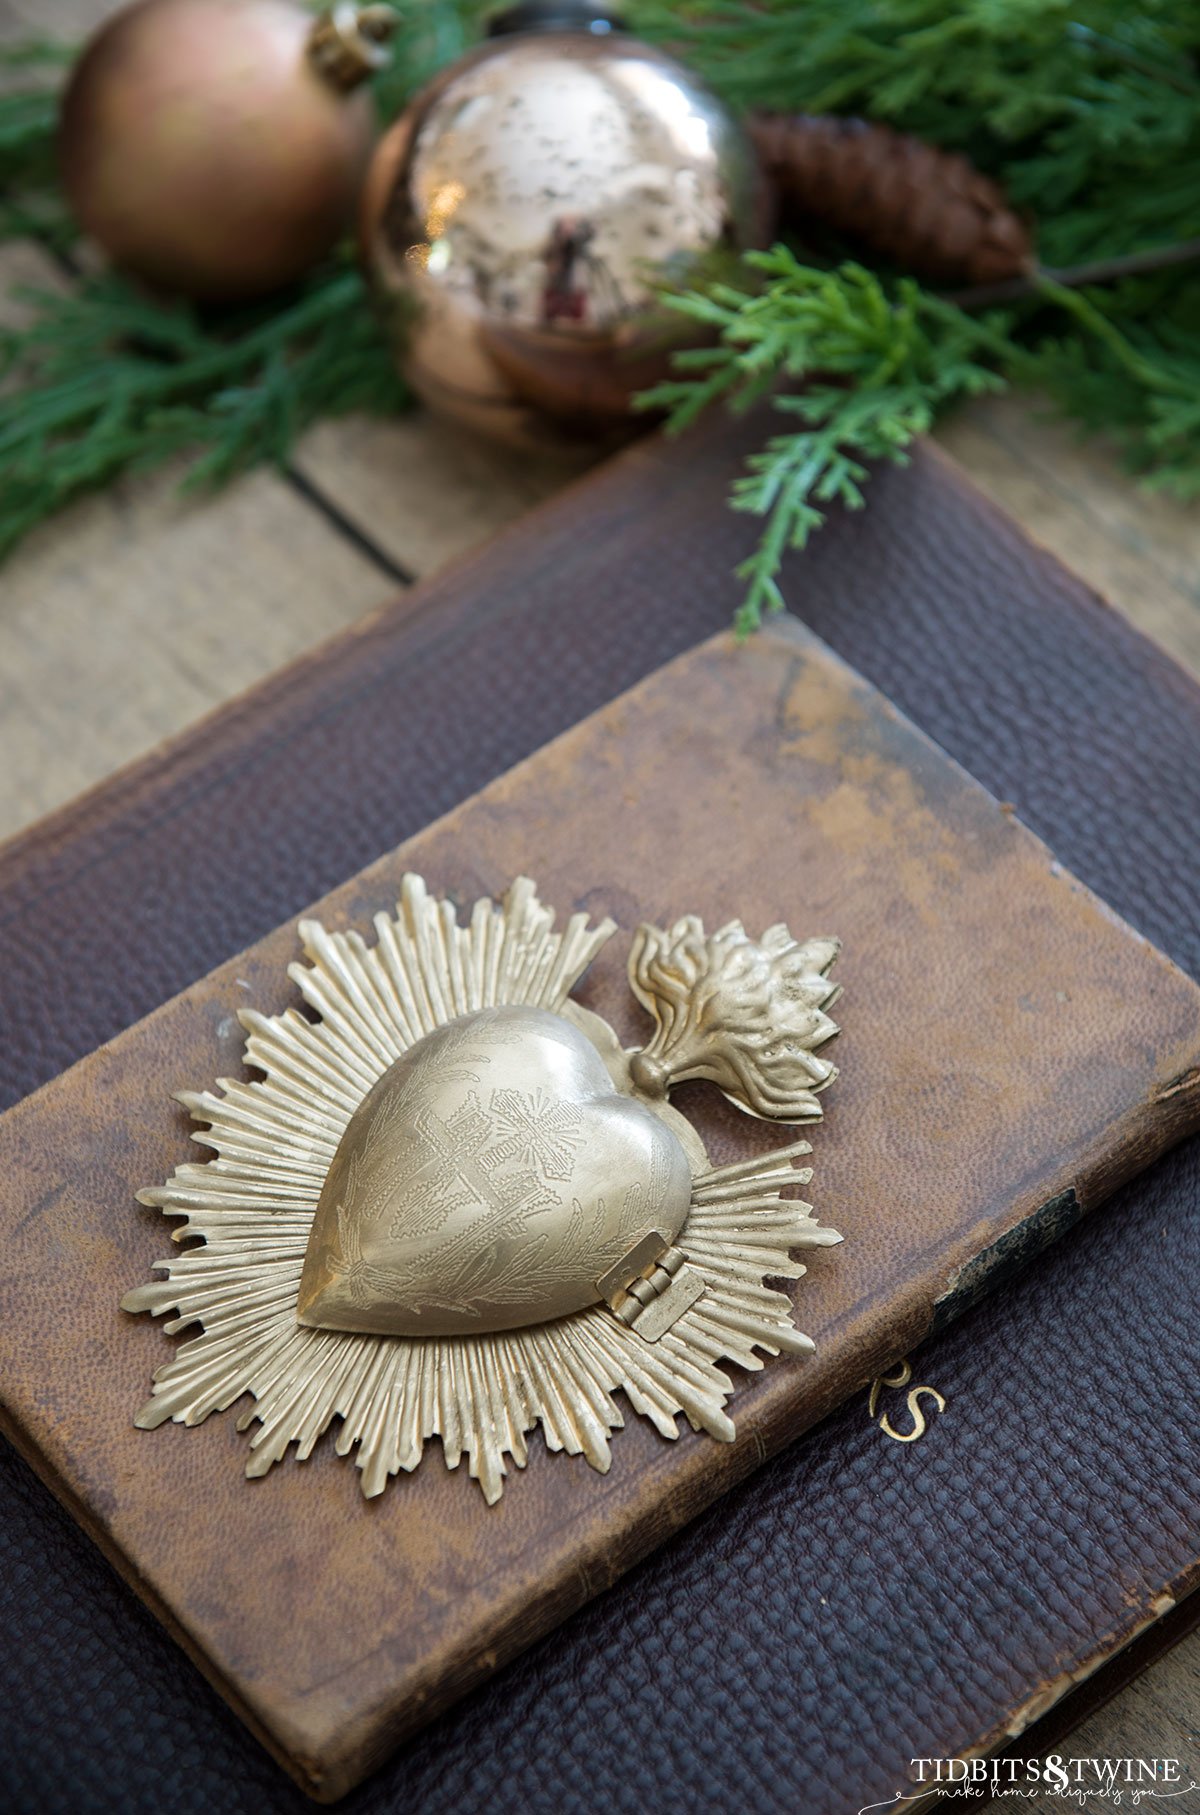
{"x": 253, "y": 1206}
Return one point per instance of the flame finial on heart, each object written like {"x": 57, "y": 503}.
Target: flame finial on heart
{"x": 745, "y": 1014}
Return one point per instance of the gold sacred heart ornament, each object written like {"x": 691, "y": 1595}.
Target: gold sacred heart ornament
{"x": 453, "y": 1205}
{"x": 458, "y": 1203}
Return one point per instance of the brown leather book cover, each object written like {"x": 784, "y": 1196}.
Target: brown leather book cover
{"x": 1011, "y": 1053}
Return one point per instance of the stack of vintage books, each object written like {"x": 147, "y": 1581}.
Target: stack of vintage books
{"x": 803, "y": 1612}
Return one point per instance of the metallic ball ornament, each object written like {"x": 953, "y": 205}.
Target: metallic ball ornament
{"x": 518, "y": 215}
{"x": 214, "y": 147}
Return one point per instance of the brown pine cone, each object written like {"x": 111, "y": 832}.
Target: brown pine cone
{"x": 925, "y": 210}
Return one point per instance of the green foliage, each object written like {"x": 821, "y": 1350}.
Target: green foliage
{"x": 30, "y": 74}
{"x": 105, "y": 381}
{"x": 863, "y": 373}
{"x": 1087, "y": 110}
{"x": 1133, "y": 374}
{"x": 862, "y": 366}
{"x": 29, "y": 77}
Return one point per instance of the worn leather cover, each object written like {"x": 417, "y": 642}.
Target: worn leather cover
{"x": 1015, "y": 1053}
{"x": 857, "y": 1602}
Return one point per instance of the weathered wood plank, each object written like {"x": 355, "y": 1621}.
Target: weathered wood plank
{"x": 133, "y": 613}
{"x": 67, "y": 19}
{"x": 1139, "y": 548}
{"x": 1154, "y": 1718}
{"x": 422, "y": 490}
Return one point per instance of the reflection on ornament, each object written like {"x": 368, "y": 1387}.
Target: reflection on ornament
{"x": 520, "y": 215}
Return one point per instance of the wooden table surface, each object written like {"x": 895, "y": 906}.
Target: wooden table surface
{"x": 135, "y": 612}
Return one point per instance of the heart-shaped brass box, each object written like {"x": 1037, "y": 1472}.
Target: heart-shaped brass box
{"x": 453, "y": 1205}
{"x": 487, "y": 1181}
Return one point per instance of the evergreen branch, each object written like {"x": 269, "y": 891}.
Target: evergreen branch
{"x": 1087, "y": 113}
{"x": 1150, "y": 374}
{"x": 876, "y": 364}
{"x": 1098, "y": 271}
{"x": 1132, "y": 373}
{"x": 30, "y": 205}
{"x": 1087, "y": 110}
{"x": 105, "y": 380}
{"x": 874, "y": 367}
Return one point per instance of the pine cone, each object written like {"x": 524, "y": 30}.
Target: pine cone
{"x": 926, "y": 210}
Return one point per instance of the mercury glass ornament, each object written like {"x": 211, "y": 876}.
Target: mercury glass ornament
{"x": 520, "y": 215}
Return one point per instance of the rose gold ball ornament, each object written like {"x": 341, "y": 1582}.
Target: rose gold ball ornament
{"x": 517, "y": 219}
{"x": 217, "y": 148}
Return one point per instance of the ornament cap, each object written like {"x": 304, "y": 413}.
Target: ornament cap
{"x": 555, "y": 16}
{"x": 349, "y": 43}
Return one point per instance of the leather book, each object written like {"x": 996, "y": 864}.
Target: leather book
{"x": 1016, "y": 1053}
{"x": 837, "y": 1614}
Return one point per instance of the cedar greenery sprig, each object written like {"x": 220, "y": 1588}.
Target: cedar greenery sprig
{"x": 874, "y": 368}
{"x": 866, "y": 366}
{"x": 30, "y": 208}
{"x": 105, "y": 381}
{"x": 1133, "y": 374}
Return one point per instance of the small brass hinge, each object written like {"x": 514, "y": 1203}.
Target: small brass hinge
{"x": 651, "y": 1286}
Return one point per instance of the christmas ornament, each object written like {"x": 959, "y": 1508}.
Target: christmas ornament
{"x": 453, "y": 1205}
{"x": 217, "y": 147}
{"x": 518, "y": 215}
{"x": 1107, "y": 208}
{"x": 925, "y": 210}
